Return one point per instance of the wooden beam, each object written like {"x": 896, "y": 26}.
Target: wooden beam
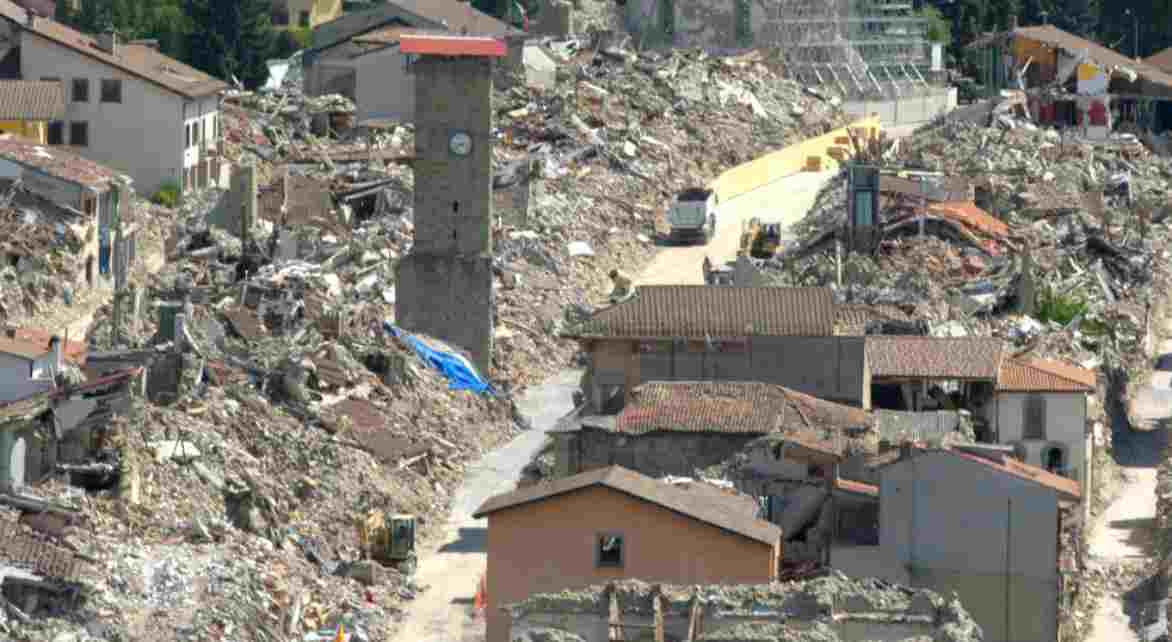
{"x": 658, "y": 604}
{"x": 695, "y": 617}
{"x": 616, "y": 616}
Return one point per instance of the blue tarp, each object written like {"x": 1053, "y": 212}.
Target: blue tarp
{"x": 461, "y": 374}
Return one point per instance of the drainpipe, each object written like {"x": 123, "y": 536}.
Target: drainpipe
{"x": 5, "y": 456}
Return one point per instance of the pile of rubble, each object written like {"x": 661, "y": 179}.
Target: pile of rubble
{"x": 811, "y": 609}
{"x": 280, "y": 409}
{"x": 1046, "y": 264}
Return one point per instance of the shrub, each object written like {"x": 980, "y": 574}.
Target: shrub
{"x": 168, "y": 195}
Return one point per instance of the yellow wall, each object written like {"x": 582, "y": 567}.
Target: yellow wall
{"x": 777, "y": 165}
{"x": 319, "y": 11}
{"x": 1025, "y": 48}
{"x": 35, "y": 131}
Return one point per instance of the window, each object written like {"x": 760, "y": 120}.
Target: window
{"x": 195, "y": 133}
{"x": 609, "y": 551}
{"x": 79, "y": 134}
{"x": 303, "y": 19}
{"x": 57, "y": 133}
{"x": 1034, "y": 417}
{"x": 81, "y": 90}
{"x": 1055, "y": 460}
{"x": 88, "y": 204}
{"x": 863, "y": 214}
{"x": 187, "y": 141}
{"x": 111, "y": 90}
{"x": 50, "y": 79}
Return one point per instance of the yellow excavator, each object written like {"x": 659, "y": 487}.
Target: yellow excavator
{"x": 388, "y": 539}
{"x": 761, "y": 240}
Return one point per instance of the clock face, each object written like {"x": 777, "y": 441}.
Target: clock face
{"x": 461, "y": 144}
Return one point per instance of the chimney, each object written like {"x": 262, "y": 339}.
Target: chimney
{"x": 1013, "y": 22}
{"x": 108, "y": 41}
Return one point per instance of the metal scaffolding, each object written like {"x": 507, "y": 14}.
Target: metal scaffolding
{"x": 861, "y": 47}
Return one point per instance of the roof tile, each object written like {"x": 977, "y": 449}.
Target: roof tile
{"x": 31, "y": 100}
{"x": 56, "y": 161}
{"x": 732, "y": 407}
{"x": 138, "y": 60}
{"x": 934, "y": 357}
{"x": 1031, "y": 374}
{"x": 698, "y": 501}
{"x": 972, "y": 216}
{"x": 698, "y": 311}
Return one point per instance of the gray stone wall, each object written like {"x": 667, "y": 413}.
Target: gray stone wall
{"x": 453, "y": 194}
{"x": 654, "y": 454}
{"x": 449, "y": 298}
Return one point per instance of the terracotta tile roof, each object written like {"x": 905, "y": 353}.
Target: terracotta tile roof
{"x": 57, "y": 162}
{"x": 731, "y": 407}
{"x": 969, "y": 214}
{"x": 444, "y": 45}
{"x": 1031, "y": 374}
{"x": 708, "y": 505}
{"x": 934, "y": 357}
{"x": 137, "y": 60}
{"x": 1067, "y": 487}
{"x": 696, "y": 311}
{"x": 23, "y": 348}
{"x": 858, "y": 488}
{"x": 73, "y": 351}
{"x": 1096, "y": 53}
{"x": 850, "y": 319}
{"x": 31, "y": 100}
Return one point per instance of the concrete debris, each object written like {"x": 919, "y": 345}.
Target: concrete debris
{"x": 807, "y": 611}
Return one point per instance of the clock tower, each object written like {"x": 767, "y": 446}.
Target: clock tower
{"x": 445, "y": 284}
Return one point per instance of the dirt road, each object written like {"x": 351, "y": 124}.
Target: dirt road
{"x": 443, "y": 613}
{"x": 1123, "y": 532}
{"x": 786, "y": 200}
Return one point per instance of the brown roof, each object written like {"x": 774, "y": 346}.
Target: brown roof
{"x": 1068, "y": 487}
{"x": 74, "y": 351}
{"x": 850, "y": 319}
{"x": 1031, "y": 374}
{"x": 934, "y": 357}
{"x": 137, "y": 60}
{"x": 969, "y": 214}
{"x": 56, "y": 161}
{"x": 700, "y": 502}
{"x": 1161, "y": 60}
{"x": 858, "y": 488}
{"x": 1096, "y": 53}
{"x": 23, "y": 347}
{"x": 697, "y": 311}
{"x": 457, "y": 15}
{"x": 31, "y": 100}
{"x": 731, "y": 407}
{"x": 387, "y": 36}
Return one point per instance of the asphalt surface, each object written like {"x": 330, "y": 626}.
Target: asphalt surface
{"x": 443, "y": 612}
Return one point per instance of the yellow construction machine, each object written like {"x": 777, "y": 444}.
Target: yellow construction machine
{"x": 389, "y": 540}
{"x": 761, "y": 240}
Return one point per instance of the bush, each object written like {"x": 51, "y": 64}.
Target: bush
{"x": 1059, "y": 308}
{"x": 168, "y": 195}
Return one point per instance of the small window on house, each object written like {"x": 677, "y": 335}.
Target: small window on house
{"x": 50, "y": 79}
{"x": 88, "y": 204}
{"x": 609, "y": 551}
{"x": 81, "y": 90}
{"x": 79, "y": 134}
{"x": 814, "y": 471}
{"x": 56, "y": 133}
{"x": 1034, "y": 417}
{"x": 303, "y": 19}
{"x": 111, "y": 90}
{"x": 195, "y": 133}
{"x": 1055, "y": 460}
{"x": 187, "y": 140}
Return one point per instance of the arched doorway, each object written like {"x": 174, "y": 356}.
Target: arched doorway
{"x": 1054, "y": 459}
{"x": 16, "y": 472}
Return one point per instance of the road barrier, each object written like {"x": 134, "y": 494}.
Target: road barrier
{"x": 816, "y": 154}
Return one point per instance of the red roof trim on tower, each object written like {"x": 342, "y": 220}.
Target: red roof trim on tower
{"x": 429, "y": 45}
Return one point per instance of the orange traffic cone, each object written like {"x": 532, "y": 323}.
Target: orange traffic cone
{"x": 481, "y": 598}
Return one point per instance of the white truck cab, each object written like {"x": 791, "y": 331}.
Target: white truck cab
{"x": 693, "y": 215}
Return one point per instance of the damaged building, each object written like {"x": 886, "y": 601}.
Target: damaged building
{"x": 613, "y": 522}
{"x": 833, "y": 608}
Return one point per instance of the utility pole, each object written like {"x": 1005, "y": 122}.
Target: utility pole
{"x": 117, "y": 253}
{"x": 1135, "y": 32}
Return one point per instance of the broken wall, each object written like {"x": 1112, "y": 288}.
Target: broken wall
{"x": 655, "y": 454}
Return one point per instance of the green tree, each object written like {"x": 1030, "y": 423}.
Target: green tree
{"x": 231, "y": 38}
{"x": 939, "y": 29}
